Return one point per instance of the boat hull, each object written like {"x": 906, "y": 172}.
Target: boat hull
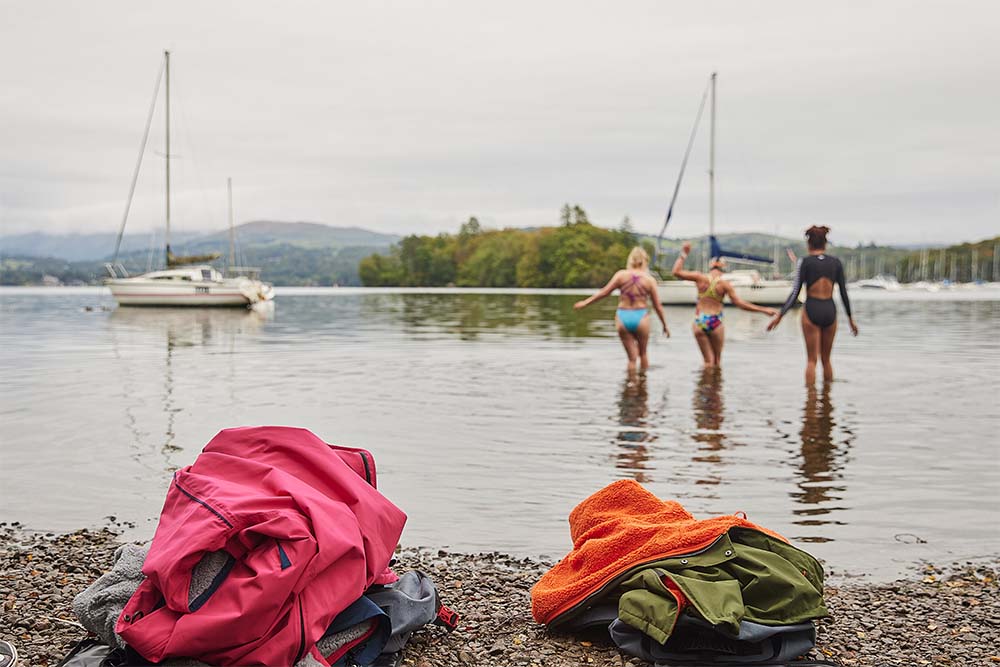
{"x": 765, "y": 293}
{"x": 135, "y": 292}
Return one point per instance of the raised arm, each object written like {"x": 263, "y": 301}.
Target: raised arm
{"x": 842, "y": 284}
{"x": 658, "y": 307}
{"x": 746, "y": 305}
{"x": 599, "y": 294}
{"x": 796, "y": 288}
{"x": 678, "y": 270}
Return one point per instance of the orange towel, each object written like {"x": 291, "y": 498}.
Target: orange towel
{"x": 617, "y": 528}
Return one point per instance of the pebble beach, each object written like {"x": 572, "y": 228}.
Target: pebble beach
{"x": 945, "y": 614}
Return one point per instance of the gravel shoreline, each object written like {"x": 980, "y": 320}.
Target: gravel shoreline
{"x": 945, "y": 615}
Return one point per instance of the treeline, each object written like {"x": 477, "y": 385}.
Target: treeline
{"x": 21, "y": 270}
{"x": 966, "y": 262}
{"x": 574, "y": 254}
{"x": 281, "y": 264}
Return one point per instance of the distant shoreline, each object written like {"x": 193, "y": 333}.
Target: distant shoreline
{"x": 985, "y": 292}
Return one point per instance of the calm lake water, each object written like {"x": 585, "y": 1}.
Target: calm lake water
{"x": 491, "y": 415}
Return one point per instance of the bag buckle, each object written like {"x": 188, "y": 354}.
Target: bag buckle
{"x": 446, "y": 617}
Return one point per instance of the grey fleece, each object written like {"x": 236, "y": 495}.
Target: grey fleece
{"x": 99, "y": 607}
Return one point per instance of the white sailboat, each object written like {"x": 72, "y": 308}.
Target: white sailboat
{"x": 186, "y": 281}
{"x": 751, "y": 285}
{"x": 879, "y": 281}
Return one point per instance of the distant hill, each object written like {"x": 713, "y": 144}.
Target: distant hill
{"x": 97, "y": 247}
{"x": 290, "y": 253}
{"x": 308, "y": 253}
{"x": 305, "y": 234}
{"x": 75, "y": 247}
{"x": 964, "y": 262}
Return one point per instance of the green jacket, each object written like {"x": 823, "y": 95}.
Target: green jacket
{"x": 744, "y": 575}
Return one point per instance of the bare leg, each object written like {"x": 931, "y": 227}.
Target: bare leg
{"x": 811, "y": 335}
{"x": 705, "y": 345}
{"x": 642, "y": 339}
{"x": 718, "y": 338}
{"x": 629, "y": 342}
{"x": 826, "y": 346}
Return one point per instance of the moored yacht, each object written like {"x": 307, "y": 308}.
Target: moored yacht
{"x": 200, "y": 285}
{"x": 186, "y": 281}
{"x": 751, "y": 285}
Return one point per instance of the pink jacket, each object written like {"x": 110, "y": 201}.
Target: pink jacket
{"x": 306, "y": 532}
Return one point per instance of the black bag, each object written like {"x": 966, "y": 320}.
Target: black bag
{"x": 92, "y": 652}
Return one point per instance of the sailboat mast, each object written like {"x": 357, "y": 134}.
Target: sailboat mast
{"x": 232, "y": 228}
{"x": 711, "y": 167}
{"x": 166, "y": 58}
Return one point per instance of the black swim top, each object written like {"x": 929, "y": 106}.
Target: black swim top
{"x": 810, "y": 269}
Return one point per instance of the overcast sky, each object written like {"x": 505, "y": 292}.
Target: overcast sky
{"x": 879, "y": 119}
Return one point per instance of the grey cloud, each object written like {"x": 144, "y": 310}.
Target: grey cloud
{"x": 408, "y": 117}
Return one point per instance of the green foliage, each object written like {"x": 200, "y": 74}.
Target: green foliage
{"x": 281, "y": 264}
{"x": 20, "y": 270}
{"x": 574, "y": 254}
{"x": 964, "y": 262}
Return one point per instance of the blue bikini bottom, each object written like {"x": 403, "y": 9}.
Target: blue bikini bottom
{"x": 631, "y": 317}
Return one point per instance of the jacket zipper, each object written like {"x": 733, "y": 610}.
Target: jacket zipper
{"x": 201, "y": 502}
{"x": 368, "y": 473}
{"x": 302, "y": 635}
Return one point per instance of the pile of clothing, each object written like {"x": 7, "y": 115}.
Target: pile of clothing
{"x": 273, "y": 548}
{"x": 676, "y": 590}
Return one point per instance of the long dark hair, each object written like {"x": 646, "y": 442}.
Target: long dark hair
{"x": 816, "y": 237}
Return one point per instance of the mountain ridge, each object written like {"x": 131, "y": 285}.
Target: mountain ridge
{"x": 76, "y": 247}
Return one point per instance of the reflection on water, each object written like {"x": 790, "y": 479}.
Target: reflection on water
{"x": 171, "y": 330}
{"x": 820, "y": 485}
{"x": 636, "y": 436}
{"x": 492, "y": 415}
{"x": 469, "y": 316}
{"x": 184, "y": 327}
{"x": 709, "y": 411}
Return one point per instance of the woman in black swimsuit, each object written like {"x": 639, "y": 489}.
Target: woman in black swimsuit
{"x": 819, "y": 272}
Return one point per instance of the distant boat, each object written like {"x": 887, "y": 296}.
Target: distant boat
{"x": 186, "y": 281}
{"x": 750, "y": 284}
{"x": 925, "y": 285}
{"x": 880, "y": 281}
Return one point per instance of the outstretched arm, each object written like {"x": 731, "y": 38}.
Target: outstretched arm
{"x": 746, "y": 305}
{"x": 658, "y": 307}
{"x": 796, "y": 288}
{"x": 599, "y": 294}
{"x": 678, "y": 270}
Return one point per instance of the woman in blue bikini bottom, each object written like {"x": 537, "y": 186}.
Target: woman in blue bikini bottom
{"x": 636, "y": 293}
